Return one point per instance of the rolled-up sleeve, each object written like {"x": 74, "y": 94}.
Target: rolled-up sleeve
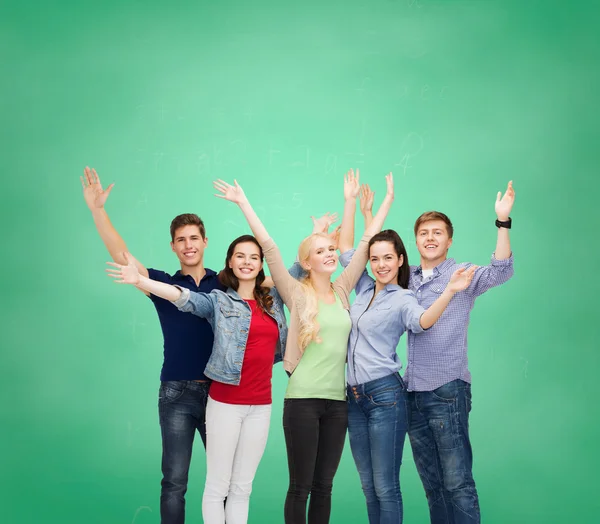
{"x": 496, "y": 273}
{"x": 346, "y": 257}
{"x": 200, "y": 304}
{"x": 411, "y": 312}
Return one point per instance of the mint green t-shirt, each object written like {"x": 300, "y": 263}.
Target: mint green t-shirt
{"x": 321, "y": 372}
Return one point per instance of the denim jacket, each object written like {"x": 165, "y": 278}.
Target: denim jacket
{"x": 229, "y": 316}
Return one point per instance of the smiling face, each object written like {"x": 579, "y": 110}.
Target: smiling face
{"x": 245, "y": 262}
{"x": 189, "y": 245}
{"x": 320, "y": 257}
{"x": 433, "y": 242}
{"x": 385, "y": 262}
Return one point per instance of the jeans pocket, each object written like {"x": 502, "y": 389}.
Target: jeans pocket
{"x": 447, "y": 393}
{"x": 388, "y": 397}
{"x": 445, "y": 431}
{"x": 170, "y": 392}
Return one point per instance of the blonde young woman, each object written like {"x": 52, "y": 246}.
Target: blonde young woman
{"x": 315, "y": 416}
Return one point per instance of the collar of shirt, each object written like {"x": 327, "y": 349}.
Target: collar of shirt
{"x": 437, "y": 270}
{"x": 209, "y": 273}
{"x": 388, "y": 287}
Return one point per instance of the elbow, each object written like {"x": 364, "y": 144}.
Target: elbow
{"x": 424, "y": 323}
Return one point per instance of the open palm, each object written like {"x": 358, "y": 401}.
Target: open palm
{"x": 366, "y": 198}
{"x": 322, "y": 224}
{"x": 233, "y": 193}
{"x": 505, "y": 203}
{"x": 351, "y": 184}
{"x": 461, "y": 279}
{"x": 93, "y": 193}
{"x": 128, "y": 274}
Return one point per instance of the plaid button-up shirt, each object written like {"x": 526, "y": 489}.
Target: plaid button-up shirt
{"x": 439, "y": 355}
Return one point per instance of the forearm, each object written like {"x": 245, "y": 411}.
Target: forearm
{"x": 368, "y": 217}
{"x": 283, "y": 281}
{"x": 376, "y": 224}
{"x": 434, "y": 312}
{"x": 503, "y": 244}
{"x": 160, "y": 289}
{"x": 112, "y": 240}
{"x": 257, "y": 227}
{"x": 347, "y": 231}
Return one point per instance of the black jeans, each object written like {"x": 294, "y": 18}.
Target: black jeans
{"x": 315, "y": 432}
{"x": 181, "y": 409}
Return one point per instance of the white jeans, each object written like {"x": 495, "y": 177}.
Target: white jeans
{"x": 236, "y": 437}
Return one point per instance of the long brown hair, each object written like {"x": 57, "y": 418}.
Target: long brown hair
{"x": 228, "y": 278}
{"x": 389, "y": 235}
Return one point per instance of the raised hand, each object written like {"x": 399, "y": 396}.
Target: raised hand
{"x": 95, "y": 197}
{"x": 366, "y": 197}
{"x": 389, "y": 179}
{"x": 335, "y": 236}
{"x": 505, "y": 203}
{"x": 128, "y": 274}
{"x": 461, "y": 279}
{"x": 233, "y": 193}
{"x": 322, "y": 224}
{"x": 351, "y": 184}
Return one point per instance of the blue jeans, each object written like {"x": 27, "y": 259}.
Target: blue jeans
{"x": 439, "y": 436}
{"x": 181, "y": 410}
{"x": 377, "y": 424}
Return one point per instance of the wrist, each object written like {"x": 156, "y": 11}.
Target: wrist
{"x": 504, "y": 222}
{"x": 449, "y": 292}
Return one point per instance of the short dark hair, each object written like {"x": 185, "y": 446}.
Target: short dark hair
{"x": 228, "y": 278}
{"x": 434, "y": 215}
{"x": 187, "y": 219}
{"x": 389, "y": 235}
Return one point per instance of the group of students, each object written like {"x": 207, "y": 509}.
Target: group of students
{"x": 340, "y": 357}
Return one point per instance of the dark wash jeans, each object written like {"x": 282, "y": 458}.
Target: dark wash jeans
{"x": 181, "y": 410}
{"x": 315, "y": 432}
{"x": 377, "y": 425}
{"x": 439, "y": 436}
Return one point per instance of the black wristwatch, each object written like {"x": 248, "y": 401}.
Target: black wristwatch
{"x": 505, "y": 225}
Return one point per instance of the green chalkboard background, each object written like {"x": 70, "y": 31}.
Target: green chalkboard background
{"x": 455, "y": 97}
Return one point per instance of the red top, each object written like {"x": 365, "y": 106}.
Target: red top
{"x": 257, "y": 367}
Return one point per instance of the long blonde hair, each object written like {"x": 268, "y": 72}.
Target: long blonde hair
{"x": 308, "y": 306}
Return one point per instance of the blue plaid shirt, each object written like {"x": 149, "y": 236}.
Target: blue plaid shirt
{"x": 439, "y": 355}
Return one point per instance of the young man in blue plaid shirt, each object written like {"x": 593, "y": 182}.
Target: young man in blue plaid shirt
{"x": 437, "y": 374}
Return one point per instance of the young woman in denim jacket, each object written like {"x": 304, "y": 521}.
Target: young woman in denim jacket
{"x": 250, "y": 333}
{"x": 383, "y": 310}
{"x": 315, "y": 410}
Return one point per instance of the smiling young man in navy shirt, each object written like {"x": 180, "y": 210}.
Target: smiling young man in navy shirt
{"x": 188, "y": 342}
